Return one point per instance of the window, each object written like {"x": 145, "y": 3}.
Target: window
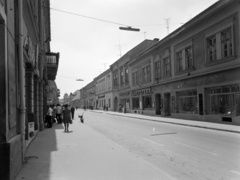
{"x": 115, "y": 80}
{"x": 121, "y": 76}
{"x": 134, "y": 78}
{"x": 188, "y": 57}
{"x": 166, "y": 66}
{"x": 147, "y": 101}
{"x": 187, "y": 101}
{"x": 146, "y": 74}
{"x": 157, "y": 70}
{"x": 219, "y": 42}
{"x": 222, "y": 100}
{"x": 126, "y": 76}
{"x": 179, "y": 61}
{"x": 135, "y": 103}
{"x": 227, "y": 49}
{"x": 211, "y": 48}
{"x": 184, "y": 59}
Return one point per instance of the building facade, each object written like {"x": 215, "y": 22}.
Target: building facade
{"x": 194, "y": 72}
{"x": 103, "y": 85}
{"x": 25, "y": 40}
{"x": 120, "y": 72}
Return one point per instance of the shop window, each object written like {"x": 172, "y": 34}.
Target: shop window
{"x": 187, "y": 102}
{"x": 220, "y": 42}
{"x": 135, "y": 103}
{"x": 147, "y": 102}
{"x": 223, "y": 100}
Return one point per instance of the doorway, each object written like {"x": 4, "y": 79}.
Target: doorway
{"x": 115, "y": 104}
{"x": 167, "y": 109}
{"x": 158, "y": 104}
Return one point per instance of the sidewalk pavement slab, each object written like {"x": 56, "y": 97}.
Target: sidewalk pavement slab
{"x": 83, "y": 154}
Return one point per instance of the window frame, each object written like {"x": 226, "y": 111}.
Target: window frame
{"x": 216, "y": 32}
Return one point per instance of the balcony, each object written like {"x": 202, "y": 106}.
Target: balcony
{"x": 52, "y": 65}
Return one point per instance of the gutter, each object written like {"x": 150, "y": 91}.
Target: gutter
{"x": 22, "y": 107}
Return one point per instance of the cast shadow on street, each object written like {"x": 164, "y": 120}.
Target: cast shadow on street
{"x": 163, "y": 134}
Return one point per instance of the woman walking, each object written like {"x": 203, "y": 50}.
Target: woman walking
{"x": 66, "y": 117}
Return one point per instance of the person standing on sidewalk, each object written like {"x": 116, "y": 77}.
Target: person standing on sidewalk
{"x": 59, "y": 113}
{"x": 49, "y": 117}
{"x": 72, "y": 112}
{"x": 66, "y": 117}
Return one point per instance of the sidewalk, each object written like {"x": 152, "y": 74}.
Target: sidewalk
{"x": 82, "y": 154}
{"x": 199, "y": 124}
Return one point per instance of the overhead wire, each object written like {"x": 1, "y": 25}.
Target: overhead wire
{"x": 67, "y": 12}
{"x": 89, "y": 17}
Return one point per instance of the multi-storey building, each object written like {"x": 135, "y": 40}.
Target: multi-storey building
{"x": 90, "y": 95}
{"x": 120, "y": 73}
{"x": 194, "y": 72}
{"x": 24, "y": 42}
{"x": 103, "y": 85}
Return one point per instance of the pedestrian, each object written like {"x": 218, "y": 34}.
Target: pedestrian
{"x": 59, "y": 113}
{"x": 119, "y": 107}
{"x": 66, "y": 117}
{"x": 72, "y": 112}
{"x": 54, "y": 113}
{"x": 49, "y": 117}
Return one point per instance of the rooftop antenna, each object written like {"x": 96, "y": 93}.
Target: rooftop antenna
{"x": 167, "y": 23}
{"x": 104, "y": 64}
{"x": 145, "y": 35}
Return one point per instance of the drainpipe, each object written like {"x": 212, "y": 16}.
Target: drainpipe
{"x": 21, "y": 77}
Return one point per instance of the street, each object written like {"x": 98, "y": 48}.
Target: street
{"x": 178, "y": 151}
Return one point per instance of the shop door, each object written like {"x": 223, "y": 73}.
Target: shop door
{"x": 115, "y": 104}
{"x": 158, "y": 104}
{"x": 167, "y": 109}
{"x": 238, "y": 104}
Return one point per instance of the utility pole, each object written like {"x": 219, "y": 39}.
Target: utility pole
{"x": 167, "y": 23}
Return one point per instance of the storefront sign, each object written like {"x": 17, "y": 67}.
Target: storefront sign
{"x": 142, "y": 92}
{"x": 103, "y": 96}
{"x": 205, "y": 80}
{"x": 124, "y": 93}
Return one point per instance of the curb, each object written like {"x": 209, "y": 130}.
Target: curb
{"x": 204, "y": 127}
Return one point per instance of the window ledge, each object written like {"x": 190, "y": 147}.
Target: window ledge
{"x": 184, "y": 71}
{"x": 220, "y": 61}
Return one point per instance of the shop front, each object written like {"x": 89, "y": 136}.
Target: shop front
{"x": 142, "y": 101}
{"x": 124, "y": 99}
{"x": 213, "y": 98}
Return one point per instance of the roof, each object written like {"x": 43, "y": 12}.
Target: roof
{"x": 76, "y": 97}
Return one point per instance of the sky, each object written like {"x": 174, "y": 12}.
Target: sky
{"x": 86, "y": 32}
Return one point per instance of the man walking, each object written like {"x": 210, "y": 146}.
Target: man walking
{"x": 72, "y": 112}
{"x": 59, "y": 113}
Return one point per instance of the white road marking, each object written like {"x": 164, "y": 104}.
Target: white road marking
{"x": 152, "y": 142}
{"x": 196, "y": 148}
{"x": 153, "y": 129}
{"x": 235, "y": 172}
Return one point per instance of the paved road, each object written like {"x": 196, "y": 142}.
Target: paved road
{"x": 181, "y": 152}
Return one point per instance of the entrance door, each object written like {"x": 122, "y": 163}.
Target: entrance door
{"x": 167, "y": 109}
{"x": 158, "y": 104}
{"x": 115, "y": 104}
